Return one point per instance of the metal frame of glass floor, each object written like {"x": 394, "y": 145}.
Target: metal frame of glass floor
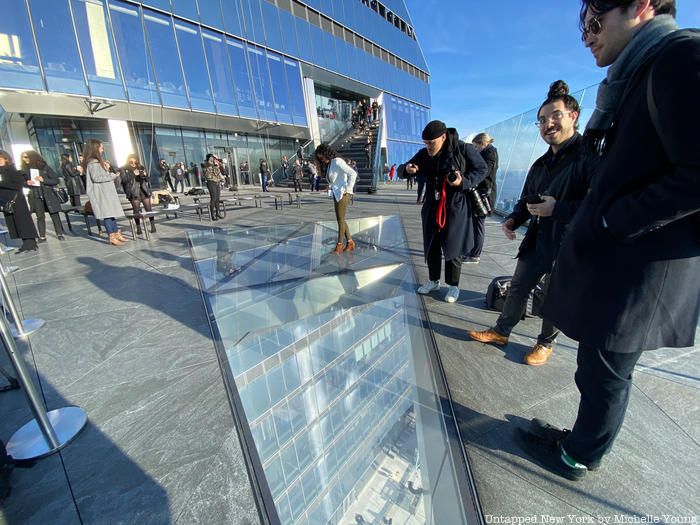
{"x": 333, "y": 375}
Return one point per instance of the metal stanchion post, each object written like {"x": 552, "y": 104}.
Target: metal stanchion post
{"x": 48, "y": 432}
{"x": 21, "y": 328}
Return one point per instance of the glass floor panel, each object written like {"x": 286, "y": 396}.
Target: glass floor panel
{"x": 332, "y": 374}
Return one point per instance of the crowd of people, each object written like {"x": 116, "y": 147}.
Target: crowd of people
{"x": 612, "y": 215}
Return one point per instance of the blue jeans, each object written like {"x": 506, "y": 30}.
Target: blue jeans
{"x": 264, "y": 182}
{"x": 110, "y": 225}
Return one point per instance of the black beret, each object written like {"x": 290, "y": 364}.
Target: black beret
{"x": 434, "y": 129}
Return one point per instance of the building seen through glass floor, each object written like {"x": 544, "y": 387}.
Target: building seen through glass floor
{"x": 332, "y": 374}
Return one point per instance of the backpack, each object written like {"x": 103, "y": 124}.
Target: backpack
{"x": 498, "y": 291}
{"x": 196, "y": 191}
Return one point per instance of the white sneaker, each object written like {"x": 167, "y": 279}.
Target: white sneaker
{"x": 452, "y": 294}
{"x": 428, "y": 287}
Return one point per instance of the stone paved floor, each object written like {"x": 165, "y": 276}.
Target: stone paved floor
{"x": 127, "y": 340}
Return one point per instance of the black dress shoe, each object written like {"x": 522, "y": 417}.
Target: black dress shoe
{"x": 28, "y": 245}
{"x": 61, "y": 237}
{"x": 550, "y": 456}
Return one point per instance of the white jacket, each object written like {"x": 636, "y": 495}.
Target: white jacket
{"x": 341, "y": 178}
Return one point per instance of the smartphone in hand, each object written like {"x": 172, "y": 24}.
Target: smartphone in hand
{"x": 534, "y": 199}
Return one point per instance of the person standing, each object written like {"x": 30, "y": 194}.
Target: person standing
{"x": 285, "y": 167}
{"x": 72, "y": 179}
{"x": 484, "y": 145}
{"x": 297, "y": 175}
{"x": 15, "y": 210}
{"x": 341, "y": 183}
{"x": 626, "y": 280}
{"x": 178, "y": 172}
{"x": 214, "y": 178}
{"x": 451, "y": 169}
{"x": 136, "y": 185}
{"x": 42, "y": 181}
{"x": 101, "y": 191}
{"x": 560, "y": 180}
{"x": 264, "y": 174}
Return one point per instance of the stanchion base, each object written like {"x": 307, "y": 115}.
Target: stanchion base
{"x": 29, "y": 443}
{"x": 7, "y": 249}
{"x": 29, "y": 326}
{"x": 10, "y": 269}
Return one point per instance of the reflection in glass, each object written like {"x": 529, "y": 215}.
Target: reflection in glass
{"x": 99, "y": 57}
{"x": 279, "y": 87}
{"x": 260, "y": 77}
{"x": 242, "y": 74}
{"x": 166, "y": 59}
{"x": 296, "y": 92}
{"x": 221, "y": 75}
{"x": 58, "y": 48}
{"x": 133, "y": 54}
{"x": 195, "y": 65}
{"x": 19, "y": 66}
{"x": 332, "y": 371}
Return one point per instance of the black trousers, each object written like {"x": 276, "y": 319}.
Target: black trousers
{"x": 527, "y": 274}
{"x": 421, "y": 187}
{"x": 214, "y": 197}
{"x": 604, "y": 380}
{"x": 453, "y": 267}
{"x": 41, "y": 212}
{"x": 479, "y": 228}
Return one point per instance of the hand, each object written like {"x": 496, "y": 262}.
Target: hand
{"x": 106, "y": 165}
{"x": 411, "y": 169}
{"x": 543, "y": 209}
{"x": 40, "y": 179}
{"x": 457, "y": 181}
{"x": 507, "y": 228}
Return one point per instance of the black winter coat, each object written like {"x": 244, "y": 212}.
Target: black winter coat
{"x": 488, "y": 185}
{"x": 458, "y": 234}
{"x": 71, "y": 177}
{"x": 566, "y": 177}
{"x": 19, "y": 223}
{"x": 635, "y": 284}
{"x": 45, "y": 194}
{"x": 135, "y": 183}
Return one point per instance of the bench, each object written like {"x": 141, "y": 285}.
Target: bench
{"x": 143, "y": 215}
{"x": 294, "y": 198}
{"x": 277, "y": 198}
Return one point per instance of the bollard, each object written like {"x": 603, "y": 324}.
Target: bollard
{"x": 48, "y": 432}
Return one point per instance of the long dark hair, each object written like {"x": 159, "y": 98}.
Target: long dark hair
{"x": 36, "y": 161}
{"x": 559, "y": 90}
{"x": 92, "y": 151}
{"x": 5, "y": 155}
{"x": 326, "y": 151}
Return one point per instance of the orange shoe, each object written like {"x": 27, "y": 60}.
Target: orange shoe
{"x": 488, "y": 336}
{"x": 338, "y": 249}
{"x": 350, "y": 246}
{"x": 538, "y": 355}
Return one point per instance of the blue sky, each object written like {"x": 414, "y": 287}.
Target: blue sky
{"x": 492, "y": 60}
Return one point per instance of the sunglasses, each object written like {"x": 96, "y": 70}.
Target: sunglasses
{"x": 593, "y": 27}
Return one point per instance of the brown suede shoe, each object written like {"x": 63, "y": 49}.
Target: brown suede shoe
{"x": 538, "y": 355}
{"x": 488, "y": 336}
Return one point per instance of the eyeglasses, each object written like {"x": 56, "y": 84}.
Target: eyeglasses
{"x": 593, "y": 27}
{"x": 556, "y": 116}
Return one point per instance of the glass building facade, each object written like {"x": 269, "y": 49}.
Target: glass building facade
{"x": 519, "y": 144}
{"x": 237, "y": 65}
{"x": 333, "y": 380}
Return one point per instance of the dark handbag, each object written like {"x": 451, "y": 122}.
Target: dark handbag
{"x": 8, "y": 206}
{"x": 61, "y": 193}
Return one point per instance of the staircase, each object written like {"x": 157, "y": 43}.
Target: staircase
{"x": 351, "y": 146}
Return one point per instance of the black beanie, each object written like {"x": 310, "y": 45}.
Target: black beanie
{"x": 434, "y": 129}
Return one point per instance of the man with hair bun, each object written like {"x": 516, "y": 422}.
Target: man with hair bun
{"x": 626, "y": 278}
{"x": 451, "y": 168}
{"x": 484, "y": 145}
{"x": 553, "y": 190}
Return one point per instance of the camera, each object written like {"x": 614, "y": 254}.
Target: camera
{"x": 534, "y": 199}
{"x": 449, "y": 170}
{"x": 480, "y": 202}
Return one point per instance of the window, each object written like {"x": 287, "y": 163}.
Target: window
{"x": 244, "y": 90}
{"x": 166, "y": 59}
{"x": 186, "y": 9}
{"x": 210, "y": 13}
{"x": 131, "y": 46}
{"x": 58, "y": 48}
{"x": 19, "y": 66}
{"x": 220, "y": 71}
{"x": 272, "y": 25}
{"x": 97, "y": 47}
{"x": 232, "y": 17}
{"x": 296, "y": 92}
{"x": 159, "y": 4}
{"x": 289, "y": 34}
{"x": 252, "y": 20}
{"x": 195, "y": 65}
{"x": 260, "y": 77}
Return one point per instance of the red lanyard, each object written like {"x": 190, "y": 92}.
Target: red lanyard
{"x": 441, "y": 213}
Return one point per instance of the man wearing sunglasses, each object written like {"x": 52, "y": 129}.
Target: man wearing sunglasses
{"x": 626, "y": 278}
